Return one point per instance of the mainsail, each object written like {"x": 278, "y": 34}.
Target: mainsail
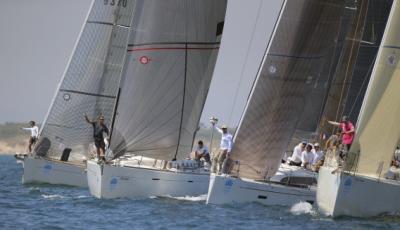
{"x": 299, "y": 53}
{"x": 378, "y": 129}
{"x": 172, "y": 51}
{"x": 356, "y": 61}
{"x": 91, "y": 81}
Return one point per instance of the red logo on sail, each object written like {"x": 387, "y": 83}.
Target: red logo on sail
{"x": 144, "y": 60}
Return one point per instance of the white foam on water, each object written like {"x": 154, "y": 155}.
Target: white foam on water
{"x": 52, "y": 197}
{"x": 191, "y": 198}
{"x": 302, "y": 208}
{"x": 153, "y": 197}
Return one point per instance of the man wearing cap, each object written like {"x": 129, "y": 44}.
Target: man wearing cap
{"x": 224, "y": 149}
{"x": 347, "y": 131}
{"x": 318, "y": 157}
{"x": 98, "y": 129}
{"x": 295, "y": 159}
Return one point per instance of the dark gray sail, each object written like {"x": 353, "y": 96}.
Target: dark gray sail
{"x": 91, "y": 81}
{"x": 376, "y": 19}
{"x": 171, "y": 57}
{"x": 357, "y": 59}
{"x": 299, "y": 53}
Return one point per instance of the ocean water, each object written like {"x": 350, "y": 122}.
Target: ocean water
{"x": 59, "y": 207}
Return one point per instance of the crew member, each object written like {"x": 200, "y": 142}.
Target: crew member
{"x": 224, "y": 149}
{"x": 98, "y": 128}
{"x": 34, "y": 134}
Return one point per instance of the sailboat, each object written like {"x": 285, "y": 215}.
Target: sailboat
{"x": 172, "y": 51}
{"x": 298, "y": 55}
{"x": 359, "y": 188}
{"x": 89, "y": 85}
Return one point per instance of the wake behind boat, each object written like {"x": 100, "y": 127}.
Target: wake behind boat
{"x": 172, "y": 51}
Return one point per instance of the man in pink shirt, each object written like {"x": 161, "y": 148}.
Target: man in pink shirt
{"x": 347, "y": 131}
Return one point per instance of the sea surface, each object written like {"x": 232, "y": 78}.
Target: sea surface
{"x": 40, "y": 206}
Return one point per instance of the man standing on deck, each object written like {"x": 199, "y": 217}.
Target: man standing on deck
{"x": 224, "y": 149}
{"x": 347, "y": 131}
{"x": 34, "y": 134}
{"x": 98, "y": 128}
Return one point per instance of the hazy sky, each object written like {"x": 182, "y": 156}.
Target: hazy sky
{"x": 37, "y": 38}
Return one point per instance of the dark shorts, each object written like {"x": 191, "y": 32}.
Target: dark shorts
{"x": 294, "y": 163}
{"x": 32, "y": 140}
{"x": 99, "y": 144}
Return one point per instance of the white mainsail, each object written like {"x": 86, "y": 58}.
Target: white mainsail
{"x": 172, "y": 51}
{"x": 378, "y": 130}
{"x": 91, "y": 81}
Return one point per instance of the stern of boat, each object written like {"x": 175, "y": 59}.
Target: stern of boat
{"x": 95, "y": 178}
{"x": 327, "y": 191}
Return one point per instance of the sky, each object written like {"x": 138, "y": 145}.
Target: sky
{"x": 37, "y": 40}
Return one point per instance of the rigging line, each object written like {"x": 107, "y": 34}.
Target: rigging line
{"x": 244, "y": 64}
{"x": 183, "y": 104}
{"x": 362, "y": 85}
{"x": 348, "y": 66}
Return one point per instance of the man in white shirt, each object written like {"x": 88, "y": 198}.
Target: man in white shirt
{"x": 318, "y": 154}
{"x": 295, "y": 159}
{"x": 307, "y": 157}
{"x": 34, "y": 134}
{"x": 202, "y": 152}
{"x": 224, "y": 149}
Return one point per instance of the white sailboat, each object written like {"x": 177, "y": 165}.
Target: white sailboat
{"x": 172, "y": 51}
{"x": 360, "y": 187}
{"x": 89, "y": 85}
{"x": 294, "y": 67}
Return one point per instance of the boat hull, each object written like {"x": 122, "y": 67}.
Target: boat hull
{"x": 342, "y": 194}
{"x": 226, "y": 189}
{"x": 39, "y": 170}
{"x": 108, "y": 181}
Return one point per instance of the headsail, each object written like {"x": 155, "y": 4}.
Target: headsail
{"x": 172, "y": 52}
{"x": 378, "y": 129}
{"x": 90, "y": 83}
{"x": 297, "y": 55}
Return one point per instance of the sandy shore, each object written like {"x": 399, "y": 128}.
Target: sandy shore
{"x": 10, "y": 149}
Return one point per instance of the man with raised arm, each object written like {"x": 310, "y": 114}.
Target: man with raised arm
{"x": 347, "y": 131}
{"x": 34, "y": 134}
{"x": 98, "y": 129}
{"x": 224, "y": 149}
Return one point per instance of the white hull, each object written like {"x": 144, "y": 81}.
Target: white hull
{"x": 225, "y": 189}
{"x": 108, "y": 181}
{"x": 341, "y": 194}
{"x": 39, "y": 170}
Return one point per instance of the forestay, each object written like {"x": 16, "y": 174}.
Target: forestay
{"x": 378, "y": 130}
{"x": 90, "y": 83}
{"x": 172, "y": 52}
{"x": 299, "y": 52}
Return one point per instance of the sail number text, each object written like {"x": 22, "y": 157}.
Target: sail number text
{"x": 122, "y": 3}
